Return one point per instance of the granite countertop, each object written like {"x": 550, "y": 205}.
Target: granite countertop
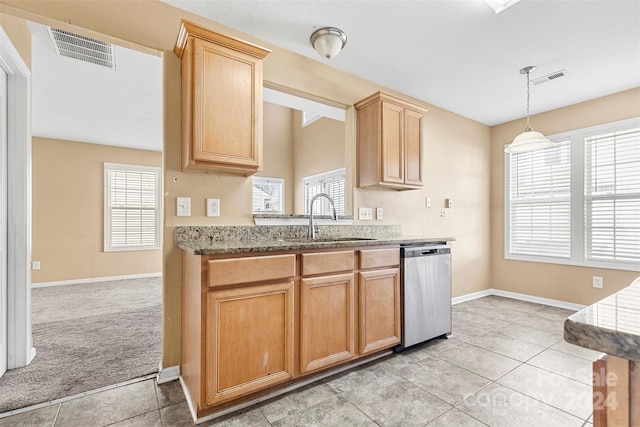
{"x": 214, "y": 247}
{"x": 611, "y": 325}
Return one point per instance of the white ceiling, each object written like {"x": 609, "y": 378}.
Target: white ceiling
{"x": 460, "y": 55}
{"x": 455, "y": 54}
{"x": 78, "y": 101}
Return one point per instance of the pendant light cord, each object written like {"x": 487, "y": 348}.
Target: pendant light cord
{"x": 528, "y": 89}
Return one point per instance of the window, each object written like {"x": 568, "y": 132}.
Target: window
{"x": 578, "y": 202}
{"x": 132, "y": 207}
{"x": 612, "y": 196}
{"x": 268, "y": 195}
{"x": 332, "y": 183}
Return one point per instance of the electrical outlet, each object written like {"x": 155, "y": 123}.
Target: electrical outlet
{"x": 213, "y": 207}
{"x": 448, "y": 203}
{"x": 35, "y": 265}
{"x": 379, "y": 213}
{"x": 598, "y": 282}
{"x": 427, "y": 202}
{"x": 443, "y": 214}
{"x": 365, "y": 214}
{"x": 183, "y": 206}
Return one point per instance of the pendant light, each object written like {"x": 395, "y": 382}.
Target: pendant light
{"x": 328, "y": 41}
{"x": 529, "y": 140}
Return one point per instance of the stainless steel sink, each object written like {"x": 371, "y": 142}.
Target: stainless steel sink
{"x": 327, "y": 239}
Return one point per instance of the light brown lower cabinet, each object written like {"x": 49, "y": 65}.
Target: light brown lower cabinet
{"x": 249, "y": 343}
{"x": 616, "y": 392}
{"x": 251, "y": 323}
{"x": 379, "y": 308}
{"x": 327, "y": 321}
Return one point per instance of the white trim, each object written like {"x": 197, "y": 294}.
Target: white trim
{"x": 278, "y": 392}
{"x": 518, "y": 296}
{"x": 170, "y": 373}
{"x": 471, "y": 297}
{"x": 19, "y": 338}
{"x": 577, "y": 263}
{"x": 75, "y": 396}
{"x": 94, "y": 280}
{"x": 297, "y": 103}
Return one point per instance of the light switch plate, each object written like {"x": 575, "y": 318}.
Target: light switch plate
{"x": 448, "y": 203}
{"x": 427, "y": 202}
{"x": 598, "y": 282}
{"x": 35, "y": 265}
{"x": 183, "y": 206}
{"x": 365, "y": 214}
{"x": 379, "y": 213}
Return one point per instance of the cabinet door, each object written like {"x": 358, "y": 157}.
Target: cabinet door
{"x": 413, "y": 148}
{"x": 226, "y": 92}
{"x": 379, "y": 309}
{"x": 392, "y": 144}
{"x": 327, "y": 321}
{"x": 249, "y": 339}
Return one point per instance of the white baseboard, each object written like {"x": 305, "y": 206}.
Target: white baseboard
{"x": 538, "y": 300}
{"x": 471, "y": 296}
{"x": 170, "y": 373}
{"x": 515, "y": 295}
{"x": 95, "y": 280}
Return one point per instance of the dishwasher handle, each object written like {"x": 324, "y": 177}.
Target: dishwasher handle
{"x": 423, "y": 251}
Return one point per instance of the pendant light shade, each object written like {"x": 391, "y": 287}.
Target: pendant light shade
{"x": 529, "y": 140}
{"x": 328, "y": 41}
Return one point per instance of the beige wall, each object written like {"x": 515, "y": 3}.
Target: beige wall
{"x": 19, "y": 34}
{"x": 318, "y": 147}
{"x": 561, "y": 282}
{"x": 68, "y": 212}
{"x": 277, "y": 137}
{"x": 456, "y": 155}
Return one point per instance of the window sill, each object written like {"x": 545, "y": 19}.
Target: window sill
{"x": 574, "y": 263}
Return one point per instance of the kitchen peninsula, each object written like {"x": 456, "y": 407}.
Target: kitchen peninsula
{"x": 612, "y": 326}
{"x": 266, "y": 310}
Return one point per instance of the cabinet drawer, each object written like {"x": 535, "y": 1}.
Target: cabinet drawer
{"x": 375, "y": 258}
{"x": 327, "y": 262}
{"x": 244, "y": 270}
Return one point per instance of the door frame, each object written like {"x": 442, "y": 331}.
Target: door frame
{"x": 20, "y": 350}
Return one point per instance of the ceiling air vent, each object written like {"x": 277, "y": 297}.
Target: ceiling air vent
{"x": 549, "y": 77}
{"x": 83, "y": 48}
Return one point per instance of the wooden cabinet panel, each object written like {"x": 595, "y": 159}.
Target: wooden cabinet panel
{"x": 327, "y": 262}
{"x": 413, "y": 147}
{"x": 327, "y": 322}
{"x": 221, "y": 102}
{"x": 392, "y": 143}
{"x": 233, "y": 271}
{"x": 379, "y": 309}
{"x": 389, "y": 143}
{"x": 249, "y": 339}
{"x": 376, "y": 258}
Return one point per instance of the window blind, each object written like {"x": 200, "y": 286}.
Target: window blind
{"x": 132, "y": 207}
{"x": 540, "y": 202}
{"x": 268, "y": 195}
{"x": 612, "y": 196}
{"x": 332, "y": 183}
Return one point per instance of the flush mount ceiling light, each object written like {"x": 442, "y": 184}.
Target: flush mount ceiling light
{"x": 500, "y": 5}
{"x": 529, "y": 140}
{"x": 328, "y": 41}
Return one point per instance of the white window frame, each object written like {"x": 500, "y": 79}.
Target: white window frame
{"x": 263, "y": 180}
{"x": 107, "y": 207}
{"x": 321, "y": 178}
{"x": 578, "y": 231}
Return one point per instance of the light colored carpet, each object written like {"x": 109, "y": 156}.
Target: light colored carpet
{"x": 88, "y": 336}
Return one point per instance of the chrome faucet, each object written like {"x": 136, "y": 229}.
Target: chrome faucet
{"x": 311, "y": 234}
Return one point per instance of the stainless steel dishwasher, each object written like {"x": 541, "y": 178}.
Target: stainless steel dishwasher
{"x": 426, "y": 293}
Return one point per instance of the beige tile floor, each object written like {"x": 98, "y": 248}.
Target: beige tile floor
{"x": 505, "y": 365}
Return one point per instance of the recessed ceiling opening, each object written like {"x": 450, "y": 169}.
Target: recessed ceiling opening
{"x": 83, "y": 48}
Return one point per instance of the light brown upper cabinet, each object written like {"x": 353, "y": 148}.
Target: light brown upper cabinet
{"x": 221, "y": 102}
{"x": 389, "y": 143}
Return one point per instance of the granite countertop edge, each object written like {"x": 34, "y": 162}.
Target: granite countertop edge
{"x": 579, "y": 330}
{"x": 200, "y": 247}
